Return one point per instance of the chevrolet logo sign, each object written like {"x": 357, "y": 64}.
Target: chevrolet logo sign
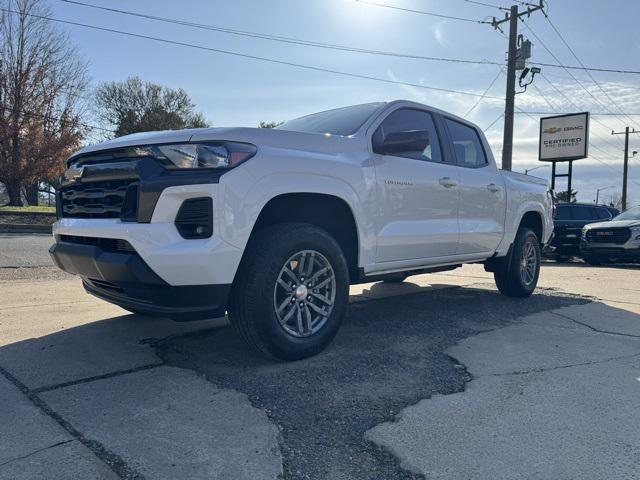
{"x": 74, "y": 173}
{"x": 552, "y": 130}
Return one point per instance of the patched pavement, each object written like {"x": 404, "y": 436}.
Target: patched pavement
{"x": 555, "y": 396}
{"x": 440, "y": 376}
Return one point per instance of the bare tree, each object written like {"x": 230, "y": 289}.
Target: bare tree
{"x": 42, "y": 79}
{"x": 136, "y": 106}
{"x": 615, "y": 200}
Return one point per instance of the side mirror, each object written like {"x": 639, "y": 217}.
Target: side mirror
{"x": 400, "y": 142}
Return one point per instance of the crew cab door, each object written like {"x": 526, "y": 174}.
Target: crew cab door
{"x": 482, "y": 191}
{"x": 417, "y": 189}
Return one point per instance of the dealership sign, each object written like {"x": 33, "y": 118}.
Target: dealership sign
{"x": 564, "y": 137}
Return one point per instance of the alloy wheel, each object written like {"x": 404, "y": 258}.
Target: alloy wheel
{"x": 304, "y": 293}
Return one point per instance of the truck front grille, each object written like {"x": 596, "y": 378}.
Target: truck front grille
{"x": 616, "y": 236}
{"x": 94, "y": 200}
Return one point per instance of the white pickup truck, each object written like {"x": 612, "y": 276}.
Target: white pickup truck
{"x": 272, "y": 225}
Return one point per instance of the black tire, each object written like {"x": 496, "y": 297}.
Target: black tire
{"x": 254, "y": 295}
{"x": 509, "y": 276}
{"x": 398, "y": 277}
{"x": 593, "y": 261}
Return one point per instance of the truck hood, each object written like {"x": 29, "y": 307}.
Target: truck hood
{"x": 614, "y": 224}
{"x": 261, "y": 137}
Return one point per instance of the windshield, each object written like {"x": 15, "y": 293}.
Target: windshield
{"x": 340, "y": 121}
{"x": 631, "y": 214}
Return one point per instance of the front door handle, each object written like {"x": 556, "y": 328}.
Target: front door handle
{"x": 447, "y": 182}
{"x": 492, "y": 187}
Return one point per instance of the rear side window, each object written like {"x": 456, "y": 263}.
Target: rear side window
{"x": 410, "y": 120}
{"x": 603, "y": 213}
{"x": 466, "y": 145}
{"x": 582, "y": 212}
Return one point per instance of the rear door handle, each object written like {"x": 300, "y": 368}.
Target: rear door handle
{"x": 492, "y": 187}
{"x": 447, "y": 182}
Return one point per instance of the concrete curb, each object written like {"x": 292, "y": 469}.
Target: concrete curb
{"x": 24, "y": 228}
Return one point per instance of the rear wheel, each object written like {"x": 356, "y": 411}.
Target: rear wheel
{"x": 518, "y": 277}
{"x": 593, "y": 261}
{"x": 291, "y": 292}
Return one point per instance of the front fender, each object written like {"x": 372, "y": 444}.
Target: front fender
{"x": 240, "y": 213}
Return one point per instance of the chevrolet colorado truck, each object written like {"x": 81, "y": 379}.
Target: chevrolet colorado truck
{"x": 272, "y": 225}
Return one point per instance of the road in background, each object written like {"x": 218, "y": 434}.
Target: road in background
{"x": 18, "y": 250}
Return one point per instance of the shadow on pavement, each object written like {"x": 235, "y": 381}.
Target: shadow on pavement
{"x": 388, "y": 355}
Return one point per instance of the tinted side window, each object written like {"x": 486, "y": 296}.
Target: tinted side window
{"x": 581, "y": 212}
{"x": 563, "y": 213}
{"x": 407, "y": 120}
{"x": 466, "y": 145}
{"x": 603, "y": 213}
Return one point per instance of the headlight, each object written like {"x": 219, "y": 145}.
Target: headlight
{"x": 635, "y": 233}
{"x": 197, "y": 155}
{"x": 584, "y": 233}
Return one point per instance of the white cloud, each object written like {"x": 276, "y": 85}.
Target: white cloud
{"x": 438, "y": 33}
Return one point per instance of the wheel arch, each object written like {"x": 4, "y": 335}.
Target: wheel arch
{"x": 532, "y": 219}
{"x": 327, "y": 211}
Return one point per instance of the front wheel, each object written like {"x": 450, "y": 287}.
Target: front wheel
{"x": 518, "y": 277}
{"x": 291, "y": 292}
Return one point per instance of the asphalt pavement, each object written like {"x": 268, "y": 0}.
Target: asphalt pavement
{"x": 439, "y": 377}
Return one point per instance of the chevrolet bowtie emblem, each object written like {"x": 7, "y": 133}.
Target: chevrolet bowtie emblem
{"x": 73, "y": 173}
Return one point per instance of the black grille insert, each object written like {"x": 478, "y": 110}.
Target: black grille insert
{"x": 94, "y": 200}
{"x": 113, "y": 245}
{"x": 617, "y": 236}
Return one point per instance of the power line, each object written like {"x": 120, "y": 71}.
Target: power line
{"x": 279, "y": 38}
{"x": 544, "y": 45}
{"x": 256, "y": 57}
{"x": 499, "y": 7}
{"x": 473, "y": 107}
{"x": 422, "y": 12}
{"x": 571, "y": 101}
{"x": 581, "y": 64}
{"x": 597, "y": 159}
{"x": 493, "y": 123}
{"x": 311, "y": 43}
{"x": 591, "y": 69}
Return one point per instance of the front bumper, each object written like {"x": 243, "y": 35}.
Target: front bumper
{"x": 615, "y": 252}
{"x": 123, "y": 278}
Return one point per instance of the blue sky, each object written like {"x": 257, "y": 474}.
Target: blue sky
{"x": 238, "y": 91}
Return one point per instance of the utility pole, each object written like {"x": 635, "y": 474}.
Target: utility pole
{"x": 512, "y": 57}
{"x": 625, "y": 168}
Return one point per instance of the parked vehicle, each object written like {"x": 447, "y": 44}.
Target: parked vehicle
{"x": 272, "y": 225}
{"x": 614, "y": 241}
{"x": 568, "y": 224}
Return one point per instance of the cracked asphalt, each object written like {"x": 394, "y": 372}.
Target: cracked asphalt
{"x": 440, "y": 377}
